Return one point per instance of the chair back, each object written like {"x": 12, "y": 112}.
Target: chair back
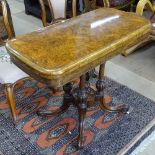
{"x": 58, "y": 9}
{"x": 93, "y": 4}
{"x": 6, "y": 25}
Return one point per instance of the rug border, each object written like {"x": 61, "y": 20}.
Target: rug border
{"x": 137, "y": 140}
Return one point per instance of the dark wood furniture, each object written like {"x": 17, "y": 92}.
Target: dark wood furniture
{"x": 58, "y": 10}
{"x": 32, "y": 7}
{"x": 119, "y": 4}
{"x": 61, "y": 52}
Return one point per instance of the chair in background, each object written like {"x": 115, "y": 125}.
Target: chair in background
{"x": 141, "y": 6}
{"x": 9, "y": 73}
{"x": 6, "y": 26}
{"x": 32, "y": 7}
{"x": 58, "y": 10}
{"x": 118, "y": 4}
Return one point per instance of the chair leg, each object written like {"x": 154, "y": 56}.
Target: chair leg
{"x": 10, "y": 100}
{"x": 135, "y": 47}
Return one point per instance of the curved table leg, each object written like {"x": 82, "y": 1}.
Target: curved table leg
{"x": 82, "y": 107}
{"x": 67, "y": 100}
{"x": 82, "y": 114}
{"x": 120, "y": 108}
{"x": 100, "y": 94}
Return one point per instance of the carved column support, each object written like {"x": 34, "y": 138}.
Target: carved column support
{"x": 82, "y": 107}
{"x": 68, "y": 97}
{"x": 100, "y": 86}
{"x": 100, "y": 94}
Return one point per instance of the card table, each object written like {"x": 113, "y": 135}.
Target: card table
{"x": 57, "y": 54}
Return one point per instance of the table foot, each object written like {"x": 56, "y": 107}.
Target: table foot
{"x": 100, "y": 86}
{"x": 61, "y": 110}
{"x": 67, "y": 100}
{"x": 120, "y": 108}
{"x": 100, "y": 97}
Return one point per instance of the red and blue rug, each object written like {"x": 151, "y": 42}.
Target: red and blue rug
{"x": 105, "y": 133}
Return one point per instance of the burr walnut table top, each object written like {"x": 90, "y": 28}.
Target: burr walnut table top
{"x": 63, "y": 51}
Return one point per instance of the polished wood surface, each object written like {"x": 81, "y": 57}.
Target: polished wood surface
{"x": 66, "y": 50}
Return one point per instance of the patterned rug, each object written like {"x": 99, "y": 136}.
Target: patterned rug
{"x": 105, "y": 133}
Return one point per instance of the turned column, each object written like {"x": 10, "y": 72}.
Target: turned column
{"x": 100, "y": 86}
{"x": 82, "y": 107}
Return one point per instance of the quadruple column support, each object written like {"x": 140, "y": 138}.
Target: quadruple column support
{"x": 80, "y": 101}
